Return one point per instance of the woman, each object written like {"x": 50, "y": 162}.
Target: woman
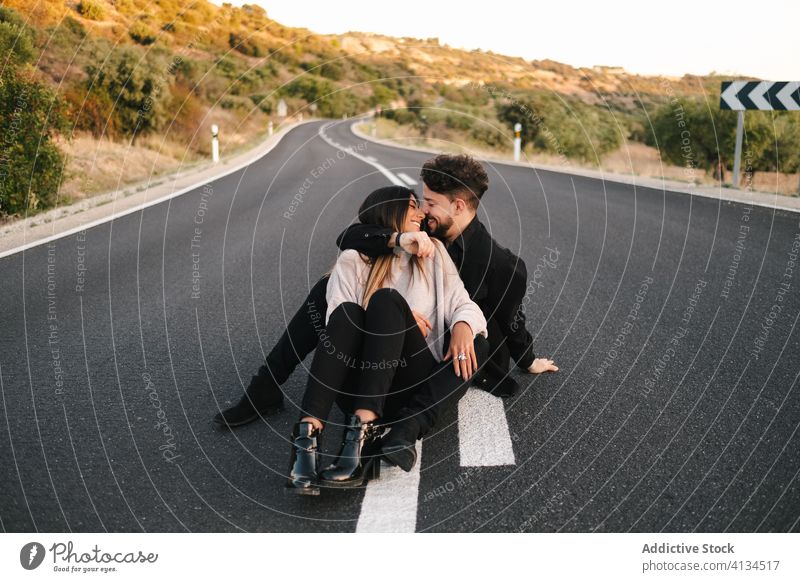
{"x": 374, "y": 354}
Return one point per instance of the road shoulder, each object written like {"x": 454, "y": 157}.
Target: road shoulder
{"x": 65, "y": 220}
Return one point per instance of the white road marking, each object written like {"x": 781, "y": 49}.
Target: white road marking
{"x": 389, "y": 175}
{"x": 371, "y": 158}
{"x": 483, "y": 436}
{"x": 390, "y": 503}
{"x": 407, "y": 179}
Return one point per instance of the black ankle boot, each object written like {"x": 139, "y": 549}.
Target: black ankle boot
{"x": 358, "y": 460}
{"x": 303, "y": 462}
{"x": 399, "y": 446}
{"x": 262, "y": 397}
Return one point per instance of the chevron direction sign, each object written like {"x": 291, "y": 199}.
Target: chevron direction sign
{"x": 760, "y": 95}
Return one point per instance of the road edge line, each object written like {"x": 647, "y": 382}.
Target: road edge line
{"x": 279, "y": 137}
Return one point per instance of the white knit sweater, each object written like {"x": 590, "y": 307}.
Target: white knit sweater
{"x": 439, "y": 295}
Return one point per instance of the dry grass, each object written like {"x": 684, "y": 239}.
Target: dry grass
{"x": 96, "y": 166}
{"x": 641, "y": 160}
{"x": 100, "y": 165}
{"x": 444, "y": 139}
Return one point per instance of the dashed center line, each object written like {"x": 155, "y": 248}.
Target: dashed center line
{"x": 483, "y": 436}
{"x": 390, "y": 503}
{"x": 390, "y": 176}
{"x": 407, "y": 179}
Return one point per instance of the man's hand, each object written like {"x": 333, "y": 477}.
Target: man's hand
{"x": 417, "y": 243}
{"x": 422, "y": 322}
{"x": 462, "y": 341}
{"x": 540, "y": 365}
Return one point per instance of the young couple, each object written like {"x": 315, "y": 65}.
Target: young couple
{"x": 410, "y": 320}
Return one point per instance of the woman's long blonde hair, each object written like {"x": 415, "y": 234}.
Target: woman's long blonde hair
{"x": 386, "y": 207}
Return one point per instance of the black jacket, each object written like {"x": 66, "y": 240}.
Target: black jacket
{"x": 495, "y": 279}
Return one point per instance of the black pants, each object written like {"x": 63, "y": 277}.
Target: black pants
{"x": 495, "y": 376}
{"x": 300, "y": 337}
{"x": 373, "y": 359}
{"x": 441, "y": 390}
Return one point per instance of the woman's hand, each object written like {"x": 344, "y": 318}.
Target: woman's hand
{"x": 540, "y": 365}
{"x": 462, "y": 341}
{"x": 417, "y": 243}
{"x": 422, "y": 322}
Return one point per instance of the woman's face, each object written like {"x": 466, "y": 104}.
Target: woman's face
{"x": 414, "y": 216}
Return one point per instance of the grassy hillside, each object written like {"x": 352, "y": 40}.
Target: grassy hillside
{"x": 144, "y": 80}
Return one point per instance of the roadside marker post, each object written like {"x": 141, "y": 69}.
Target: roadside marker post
{"x": 214, "y": 143}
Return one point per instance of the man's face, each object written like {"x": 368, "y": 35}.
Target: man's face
{"x": 439, "y": 213}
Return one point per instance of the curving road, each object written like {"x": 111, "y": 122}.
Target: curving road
{"x": 673, "y": 319}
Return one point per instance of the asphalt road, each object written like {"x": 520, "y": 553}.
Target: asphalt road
{"x": 673, "y": 320}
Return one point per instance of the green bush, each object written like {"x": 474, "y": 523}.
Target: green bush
{"x": 340, "y": 103}
{"x": 566, "y": 127}
{"x": 309, "y": 88}
{"x": 262, "y": 103}
{"x": 91, "y": 111}
{"x": 234, "y": 102}
{"x": 245, "y": 44}
{"x": 91, "y": 10}
{"x": 459, "y": 121}
{"x": 381, "y": 95}
{"x": 688, "y": 131}
{"x": 30, "y": 163}
{"x": 524, "y": 113}
{"x": 137, "y": 88}
{"x": 402, "y": 116}
{"x": 228, "y": 67}
{"x": 16, "y": 39}
{"x": 142, "y": 33}
{"x": 332, "y": 70}
{"x": 787, "y": 145}
{"x": 330, "y": 100}
{"x": 689, "y": 135}
{"x": 485, "y": 133}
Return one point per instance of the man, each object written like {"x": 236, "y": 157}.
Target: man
{"x": 494, "y": 277}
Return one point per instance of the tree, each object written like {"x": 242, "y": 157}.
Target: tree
{"x": 30, "y": 163}
{"x": 561, "y": 126}
{"x": 30, "y": 116}
{"x": 381, "y": 95}
{"x": 524, "y": 113}
{"x": 91, "y": 10}
{"x": 779, "y": 132}
{"x": 691, "y": 134}
{"x": 331, "y": 101}
{"x": 16, "y": 39}
{"x": 142, "y": 33}
{"x": 790, "y": 138}
{"x": 332, "y": 70}
{"x": 136, "y": 89}
{"x": 689, "y": 130}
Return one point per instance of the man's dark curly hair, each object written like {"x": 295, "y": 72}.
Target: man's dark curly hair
{"x": 454, "y": 176}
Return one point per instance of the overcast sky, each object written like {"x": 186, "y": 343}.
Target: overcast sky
{"x": 669, "y": 37}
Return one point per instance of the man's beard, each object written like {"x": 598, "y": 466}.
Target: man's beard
{"x": 441, "y": 230}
